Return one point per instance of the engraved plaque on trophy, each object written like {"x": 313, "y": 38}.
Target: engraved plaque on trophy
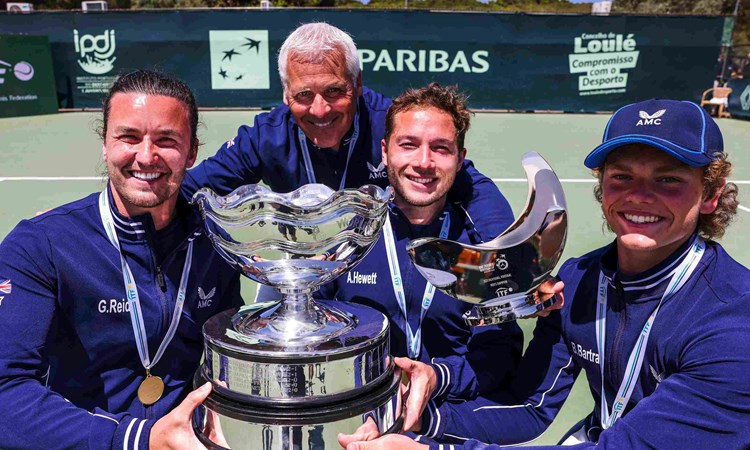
{"x": 501, "y": 276}
{"x": 293, "y": 374}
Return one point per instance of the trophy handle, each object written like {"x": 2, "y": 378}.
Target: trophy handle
{"x": 512, "y": 265}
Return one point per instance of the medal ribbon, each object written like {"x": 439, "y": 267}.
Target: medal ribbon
{"x": 131, "y": 290}
{"x": 679, "y": 277}
{"x": 413, "y": 340}
{"x": 306, "y": 153}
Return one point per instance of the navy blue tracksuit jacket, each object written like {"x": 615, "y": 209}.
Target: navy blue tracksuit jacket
{"x": 69, "y": 366}
{"x": 693, "y": 391}
{"x": 467, "y": 361}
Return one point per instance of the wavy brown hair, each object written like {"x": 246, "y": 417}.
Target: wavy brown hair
{"x": 444, "y": 98}
{"x": 710, "y": 226}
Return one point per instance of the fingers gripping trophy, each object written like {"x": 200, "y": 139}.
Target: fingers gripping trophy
{"x": 501, "y": 277}
{"x": 293, "y": 374}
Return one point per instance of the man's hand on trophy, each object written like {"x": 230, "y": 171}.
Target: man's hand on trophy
{"x": 422, "y": 383}
{"x": 367, "y": 437}
{"x": 550, "y": 287}
{"x": 175, "y": 431}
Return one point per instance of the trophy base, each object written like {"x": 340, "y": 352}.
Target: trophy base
{"x": 222, "y": 423}
{"x": 506, "y": 309}
{"x": 319, "y": 368}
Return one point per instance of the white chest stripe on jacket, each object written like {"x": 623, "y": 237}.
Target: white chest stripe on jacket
{"x": 680, "y": 275}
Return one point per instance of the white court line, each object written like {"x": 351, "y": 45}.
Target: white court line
{"x": 496, "y": 180}
{"x": 579, "y": 180}
{"x": 51, "y": 178}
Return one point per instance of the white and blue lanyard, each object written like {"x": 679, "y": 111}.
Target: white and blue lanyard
{"x": 679, "y": 277}
{"x": 413, "y": 340}
{"x": 306, "y": 153}
{"x": 136, "y": 316}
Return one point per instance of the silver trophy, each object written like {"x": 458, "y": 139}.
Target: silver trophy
{"x": 293, "y": 374}
{"x": 501, "y": 276}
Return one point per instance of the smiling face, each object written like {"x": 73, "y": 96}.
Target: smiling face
{"x": 423, "y": 158}
{"x": 147, "y": 148}
{"x": 652, "y": 202}
{"x": 322, "y": 99}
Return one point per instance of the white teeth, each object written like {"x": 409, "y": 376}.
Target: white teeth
{"x": 421, "y": 180}
{"x": 146, "y": 175}
{"x": 642, "y": 219}
{"x": 322, "y": 124}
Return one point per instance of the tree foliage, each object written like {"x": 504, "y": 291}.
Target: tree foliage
{"x": 707, "y": 7}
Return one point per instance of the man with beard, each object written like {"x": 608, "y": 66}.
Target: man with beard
{"x": 99, "y": 318}
{"x": 658, "y": 320}
{"x": 423, "y": 150}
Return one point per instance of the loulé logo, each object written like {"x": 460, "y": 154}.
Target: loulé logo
{"x": 95, "y": 52}
{"x": 22, "y": 70}
{"x": 239, "y": 59}
{"x": 601, "y": 57}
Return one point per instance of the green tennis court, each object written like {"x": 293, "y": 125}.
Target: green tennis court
{"x": 50, "y": 160}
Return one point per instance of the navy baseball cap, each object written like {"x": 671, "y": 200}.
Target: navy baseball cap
{"x": 682, "y": 129}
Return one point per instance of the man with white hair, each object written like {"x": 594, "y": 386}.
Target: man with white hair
{"x": 329, "y": 131}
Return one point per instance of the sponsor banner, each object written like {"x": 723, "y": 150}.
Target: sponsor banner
{"x": 27, "y": 84}
{"x": 503, "y": 61}
{"x": 739, "y": 99}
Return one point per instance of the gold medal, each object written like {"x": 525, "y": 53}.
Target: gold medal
{"x": 150, "y": 390}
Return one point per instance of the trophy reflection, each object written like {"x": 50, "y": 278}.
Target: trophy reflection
{"x": 295, "y": 373}
{"x": 501, "y": 276}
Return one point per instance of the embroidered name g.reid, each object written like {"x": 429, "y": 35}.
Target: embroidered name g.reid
{"x": 355, "y": 277}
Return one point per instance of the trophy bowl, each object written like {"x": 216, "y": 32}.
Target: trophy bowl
{"x": 296, "y": 372}
{"x": 501, "y": 276}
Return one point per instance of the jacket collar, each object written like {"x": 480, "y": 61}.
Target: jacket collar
{"x": 402, "y": 226}
{"x": 141, "y": 227}
{"x": 646, "y": 285}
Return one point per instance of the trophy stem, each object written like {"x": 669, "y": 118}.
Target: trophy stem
{"x": 296, "y": 319}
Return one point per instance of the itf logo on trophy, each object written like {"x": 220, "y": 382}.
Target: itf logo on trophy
{"x": 239, "y": 59}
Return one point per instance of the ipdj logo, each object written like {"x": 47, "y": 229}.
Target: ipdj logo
{"x": 22, "y": 70}
{"x": 95, "y": 52}
{"x": 650, "y": 119}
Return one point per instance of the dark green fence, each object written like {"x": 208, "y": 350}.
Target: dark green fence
{"x": 504, "y": 61}
{"x": 27, "y": 84}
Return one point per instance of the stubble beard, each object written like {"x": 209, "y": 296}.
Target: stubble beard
{"x": 400, "y": 193}
{"x": 144, "y": 199}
